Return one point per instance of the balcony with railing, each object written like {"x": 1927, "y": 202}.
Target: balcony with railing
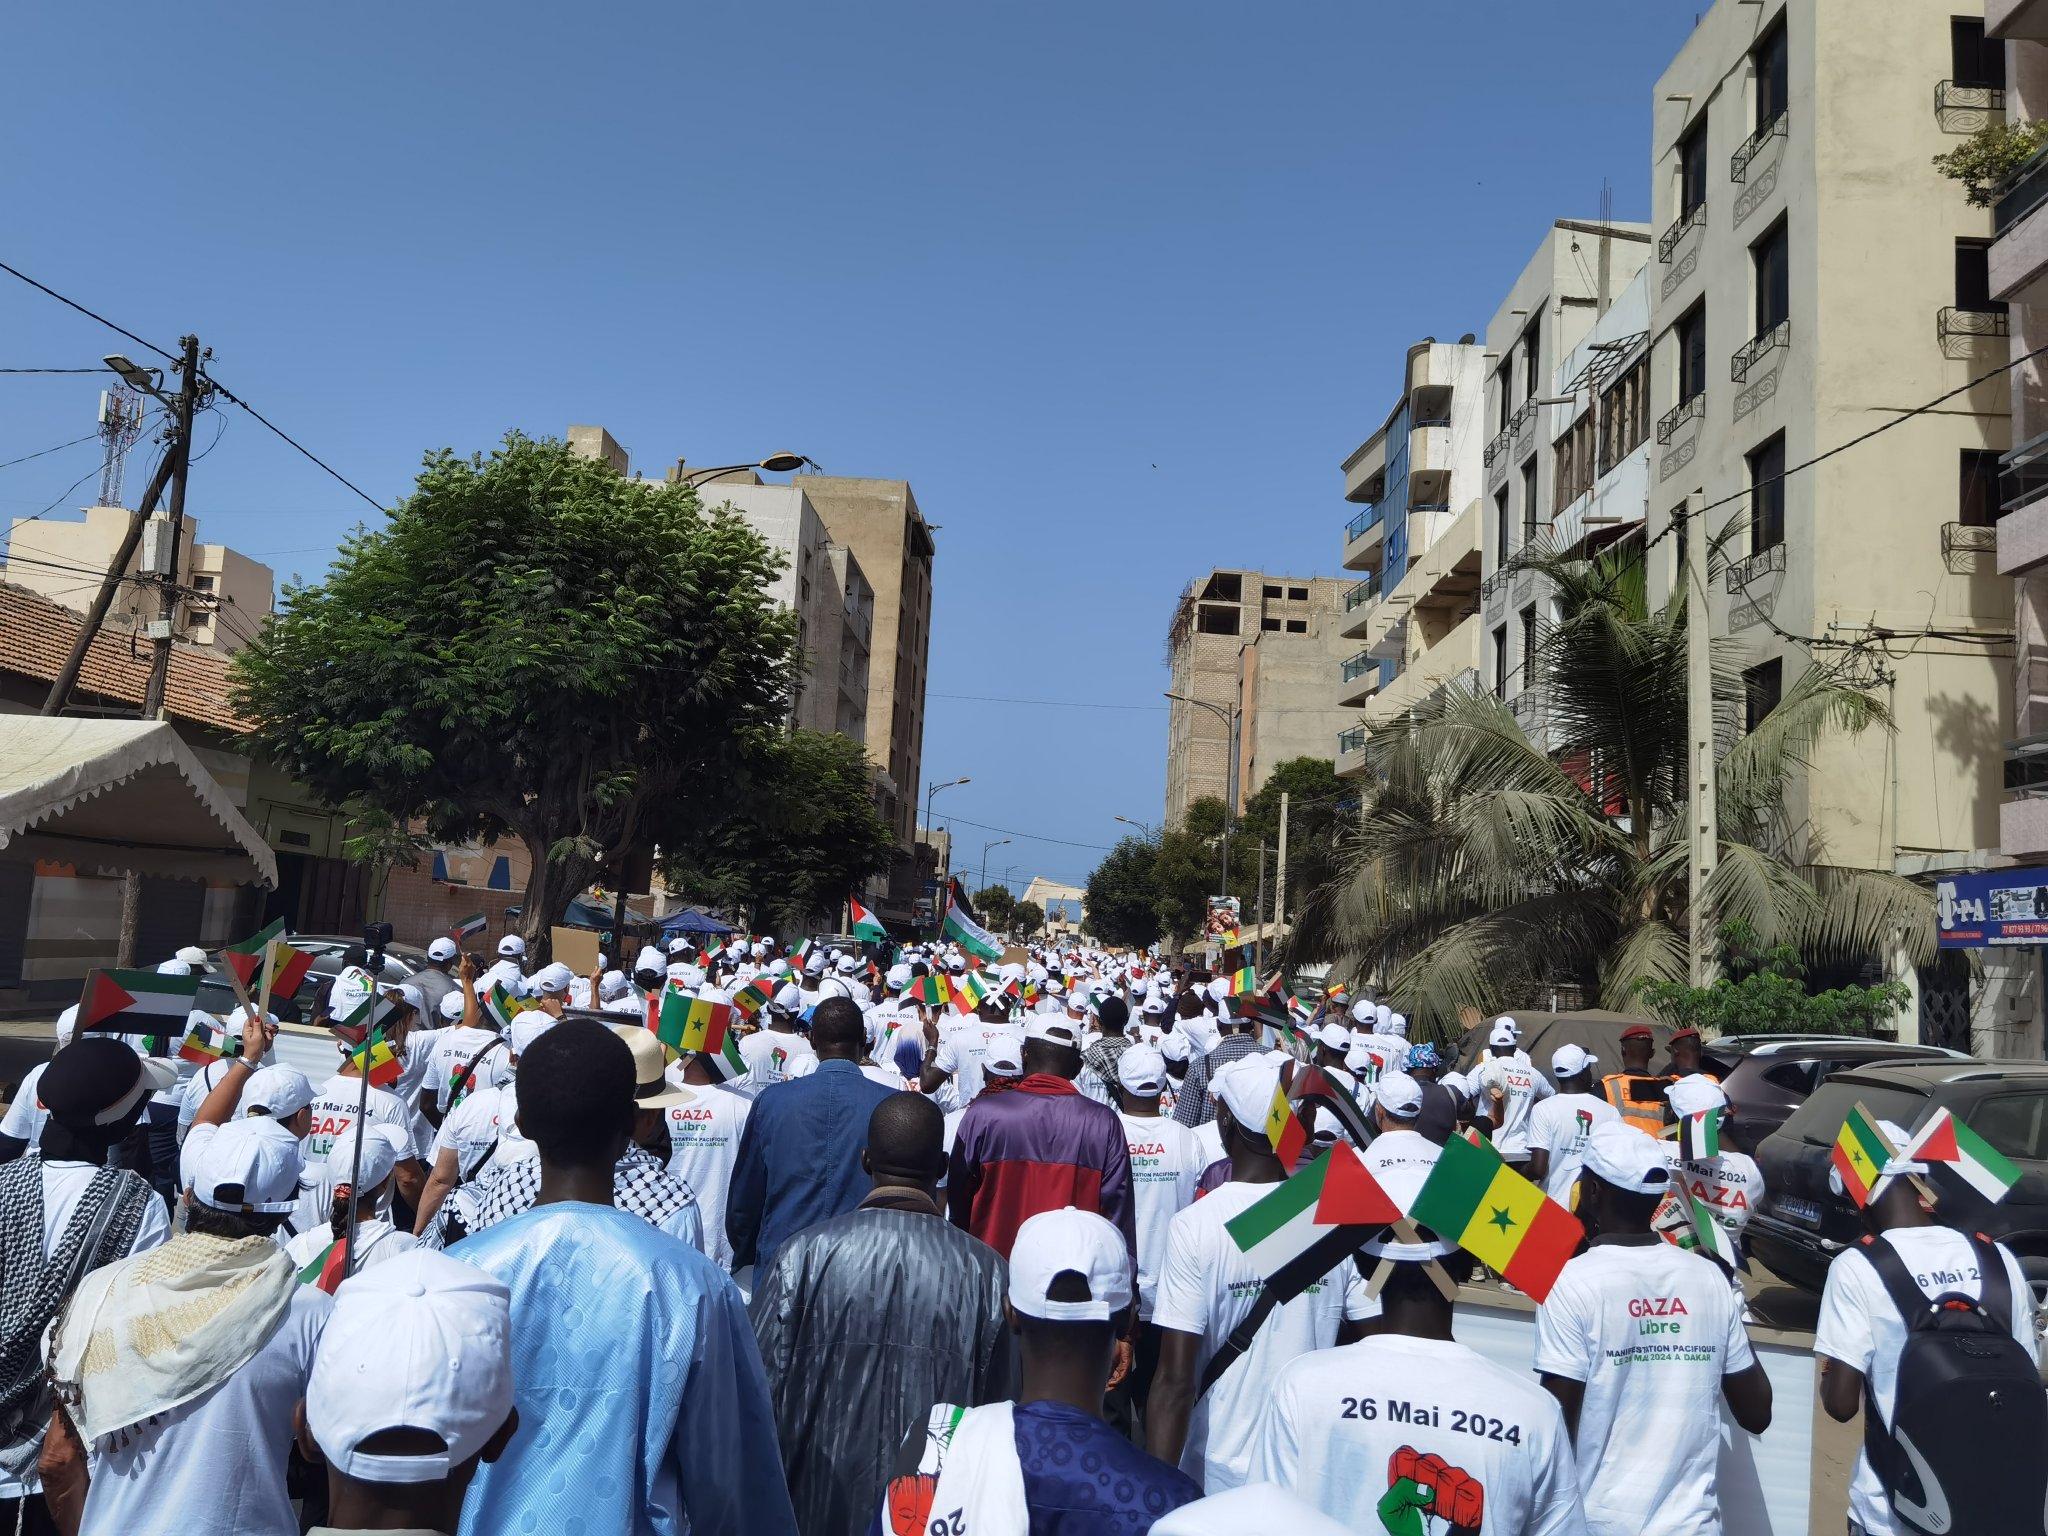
{"x": 1362, "y": 537}
{"x": 1961, "y": 106}
{"x": 1752, "y": 351}
{"x": 1523, "y": 419}
{"x": 1694, "y": 217}
{"x": 1759, "y": 565}
{"x": 1351, "y": 752}
{"x": 1359, "y": 601}
{"x": 1361, "y": 679}
{"x": 1954, "y": 323}
{"x": 1740, "y": 162}
{"x": 1691, "y": 408}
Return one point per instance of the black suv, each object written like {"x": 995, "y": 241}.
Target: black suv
{"x": 1767, "y": 1077}
{"x": 1801, "y": 1224}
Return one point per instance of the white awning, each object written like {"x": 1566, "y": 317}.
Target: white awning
{"x": 118, "y": 797}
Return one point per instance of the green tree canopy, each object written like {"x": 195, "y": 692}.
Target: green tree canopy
{"x": 532, "y": 646}
{"x": 1764, "y": 992}
{"x": 1320, "y": 806}
{"x": 1027, "y": 917}
{"x": 993, "y": 904}
{"x": 1122, "y": 910}
{"x": 801, "y": 831}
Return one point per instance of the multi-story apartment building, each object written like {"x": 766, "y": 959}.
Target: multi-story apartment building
{"x": 1411, "y": 623}
{"x": 1817, "y": 277}
{"x": 225, "y": 596}
{"x": 1258, "y": 650}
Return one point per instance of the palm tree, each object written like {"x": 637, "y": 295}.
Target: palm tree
{"x": 1485, "y": 865}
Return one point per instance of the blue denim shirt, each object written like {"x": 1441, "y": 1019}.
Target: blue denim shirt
{"x": 799, "y": 1159}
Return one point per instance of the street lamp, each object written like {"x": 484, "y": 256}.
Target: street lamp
{"x": 775, "y": 464}
{"x": 929, "y": 791}
{"x": 1229, "y": 719}
{"x": 1143, "y": 826}
{"x": 984, "y": 857}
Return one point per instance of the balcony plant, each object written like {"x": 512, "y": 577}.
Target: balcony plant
{"x": 1987, "y": 157}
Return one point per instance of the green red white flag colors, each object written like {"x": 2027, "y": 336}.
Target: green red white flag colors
{"x": 246, "y": 958}
{"x": 203, "y": 1043}
{"x": 971, "y": 936}
{"x": 754, "y": 996}
{"x": 727, "y": 1061}
{"x": 1699, "y": 1136}
{"x": 503, "y": 1007}
{"x": 1859, "y": 1155}
{"x": 134, "y": 1002}
{"x": 866, "y": 925}
{"x": 327, "y": 1268}
{"x": 467, "y": 928}
{"x": 1312, "y": 1221}
{"x": 376, "y": 1060}
{"x": 1475, "y": 1200}
{"x": 1945, "y": 1142}
{"x": 928, "y": 990}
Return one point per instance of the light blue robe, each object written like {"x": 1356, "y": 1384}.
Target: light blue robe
{"x": 643, "y": 1408}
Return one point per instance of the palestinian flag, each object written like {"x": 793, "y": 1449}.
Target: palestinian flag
{"x": 798, "y": 955}
{"x": 971, "y": 936}
{"x": 1262, "y": 1009}
{"x": 688, "y": 1023}
{"x": 969, "y": 990}
{"x": 376, "y": 1060}
{"x": 287, "y": 968}
{"x": 866, "y": 925}
{"x": 1284, "y": 1129}
{"x": 135, "y": 1002}
{"x": 1243, "y": 982}
{"x": 1699, "y": 1136}
{"x": 727, "y": 1061}
{"x": 928, "y": 990}
{"x": 469, "y": 927}
{"x": 503, "y": 1007}
{"x": 367, "y": 1021}
{"x": 204, "y": 1043}
{"x": 1474, "y": 1199}
{"x": 753, "y": 997}
{"x": 1708, "y": 1236}
{"x": 327, "y": 1267}
{"x": 1947, "y": 1143}
{"x": 1860, "y": 1154}
{"x": 246, "y": 958}
{"x": 1312, "y": 1221}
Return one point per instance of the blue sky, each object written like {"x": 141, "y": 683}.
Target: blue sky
{"x": 1115, "y": 286}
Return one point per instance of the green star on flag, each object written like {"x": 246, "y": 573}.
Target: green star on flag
{"x": 1500, "y": 1218}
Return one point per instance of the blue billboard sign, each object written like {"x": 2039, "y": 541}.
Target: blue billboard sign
{"x": 1998, "y": 908}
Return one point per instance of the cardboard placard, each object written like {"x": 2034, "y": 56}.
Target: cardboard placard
{"x": 576, "y": 948}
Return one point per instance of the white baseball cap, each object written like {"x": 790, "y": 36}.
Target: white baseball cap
{"x": 249, "y": 1165}
{"x": 1335, "y": 1036}
{"x": 1395, "y": 1024}
{"x": 789, "y": 998}
{"x": 442, "y": 948}
{"x": 174, "y": 967}
{"x": 1403, "y": 1183}
{"x": 1003, "y": 1054}
{"x": 1627, "y": 1158}
{"x": 1141, "y": 1069}
{"x": 1054, "y": 1243}
{"x": 1695, "y": 1094}
{"x": 553, "y": 980}
{"x": 280, "y": 1092}
{"x": 1366, "y": 1013}
{"x": 1246, "y": 1087}
{"x": 1504, "y": 1033}
{"x": 1174, "y": 1045}
{"x": 409, "y": 994}
{"x": 1053, "y": 1028}
{"x": 511, "y": 945}
{"x": 421, "y": 1341}
{"x": 1398, "y": 1094}
{"x": 380, "y": 1156}
{"x": 192, "y": 954}
{"x": 529, "y": 1027}
{"x": 898, "y": 977}
{"x": 650, "y": 959}
{"x": 1570, "y": 1060}
{"x": 451, "y": 1005}
{"x": 612, "y": 985}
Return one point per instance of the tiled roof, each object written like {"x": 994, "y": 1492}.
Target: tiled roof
{"x": 36, "y": 635}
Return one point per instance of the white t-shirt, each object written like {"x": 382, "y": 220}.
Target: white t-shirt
{"x": 1208, "y": 1141}
{"x": 214, "y": 1466}
{"x": 1388, "y": 1052}
{"x": 1860, "y": 1327}
{"x": 1205, "y": 1287}
{"x": 704, "y": 1142}
{"x": 1165, "y": 1163}
{"x": 1560, "y": 1125}
{"x": 376, "y": 1241}
{"x": 962, "y": 1049}
{"x": 334, "y": 1111}
{"x": 475, "y": 1127}
{"x": 453, "y": 1049}
{"x": 770, "y": 1056}
{"x": 25, "y": 1118}
{"x": 1650, "y": 1330}
{"x": 1400, "y": 1149}
{"x": 1729, "y": 1185}
{"x": 1341, "y": 1426}
{"x": 1521, "y": 1086}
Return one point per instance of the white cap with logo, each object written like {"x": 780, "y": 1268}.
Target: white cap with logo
{"x": 511, "y": 946}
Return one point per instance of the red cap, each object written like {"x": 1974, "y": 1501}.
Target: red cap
{"x": 1637, "y": 1032}
{"x": 1685, "y": 1034}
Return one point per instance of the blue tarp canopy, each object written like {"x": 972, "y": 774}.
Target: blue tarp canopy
{"x": 694, "y": 920}
{"x": 588, "y": 914}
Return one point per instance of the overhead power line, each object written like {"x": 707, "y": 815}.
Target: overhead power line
{"x": 56, "y": 370}
{"x": 232, "y": 398}
{"x": 10, "y": 463}
{"x": 1033, "y": 836}
{"x": 118, "y": 330}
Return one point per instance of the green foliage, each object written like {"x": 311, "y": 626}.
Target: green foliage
{"x": 801, "y": 830}
{"x": 1204, "y": 818}
{"x": 1320, "y": 807}
{"x": 1987, "y": 157}
{"x": 1763, "y": 991}
{"x": 1026, "y": 918}
{"x": 1186, "y": 867}
{"x": 1121, "y": 909}
{"x": 994, "y": 904}
{"x": 531, "y": 646}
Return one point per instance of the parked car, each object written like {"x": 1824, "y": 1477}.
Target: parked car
{"x": 1801, "y": 1223}
{"x": 217, "y": 995}
{"x": 1767, "y": 1077}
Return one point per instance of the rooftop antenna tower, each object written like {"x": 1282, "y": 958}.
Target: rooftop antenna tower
{"x": 120, "y": 426}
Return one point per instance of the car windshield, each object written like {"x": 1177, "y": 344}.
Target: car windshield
{"x": 1819, "y": 1120}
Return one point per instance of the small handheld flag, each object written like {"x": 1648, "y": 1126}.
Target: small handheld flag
{"x": 928, "y": 990}
{"x": 1699, "y": 1136}
{"x": 286, "y": 969}
{"x": 503, "y": 1007}
{"x": 246, "y": 958}
{"x": 204, "y": 1043}
{"x": 1312, "y": 1221}
{"x": 467, "y": 928}
{"x": 327, "y": 1268}
{"x": 754, "y": 996}
{"x": 1284, "y": 1129}
{"x": 1859, "y": 1155}
{"x": 689, "y": 1023}
{"x": 134, "y": 1002}
{"x": 968, "y": 991}
{"x": 377, "y": 1061}
{"x": 866, "y": 925}
{"x": 1945, "y": 1142}
{"x": 1243, "y": 981}
{"x": 1708, "y": 1235}
{"x": 1474, "y": 1199}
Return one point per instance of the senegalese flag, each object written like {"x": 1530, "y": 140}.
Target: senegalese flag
{"x": 1228, "y": 939}
{"x": 469, "y": 927}
{"x": 134, "y": 1002}
{"x": 866, "y": 925}
{"x": 753, "y": 997}
{"x": 1243, "y": 982}
{"x": 1859, "y": 1155}
{"x": 1699, "y": 1136}
{"x": 691, "y": 1023}
{"x": 326, "y": 1268}
{"x": 1312, "y": 1221}
{"x": 377, "y": 1060}
{"x": 928, "y": 990}
{"x": 367, "y": 1022}
{"x": 1284, "y": 1129}
{"x": 968, "y": 991}
{"x": 246, "y": 958}
{"x": 503, "y": 1007}
{"x": 287, "y": 968}
{"x": 1947, "y": 1143}
{"x": 203, "y": 1043}
{"x": 970, "y": 935}
{"x": 1476, "y": 1201}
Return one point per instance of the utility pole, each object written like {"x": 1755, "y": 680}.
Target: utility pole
{"x": 1280, "y": 871}
{"x": 117, "y": 570}
{"x": 1259, "y": 911}
{"x": 1701, "y": 789}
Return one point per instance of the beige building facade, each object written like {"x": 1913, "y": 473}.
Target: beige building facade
{"x": 224, "y": 596}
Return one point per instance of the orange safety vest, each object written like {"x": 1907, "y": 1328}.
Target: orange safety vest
{"x": 1638, "y": 1097}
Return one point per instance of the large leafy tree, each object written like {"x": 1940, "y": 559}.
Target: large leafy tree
{"x": 1122, "y": 911}
{"x": 993, "y": 905}
{"x": 1027, "y": 917}
{"x": 1319, "y": 806}
{"x": 1485, "y": 865}
{"x": 532, "y": 646}
{"x": 799, "y": 831}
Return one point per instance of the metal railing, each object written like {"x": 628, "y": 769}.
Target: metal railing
{"x": 1352, "y": 740}
{"x": 1691, "y": 406}
{"x": 1362, "y": 592}
{"x": 1499, "y": 446}
{"x": 1961, "y": 96}
{"x": 1746, "y": 355}
{"x": 1359, "y": 525}
{"x": 2021, "y": 192}
{"x": 1963, "y": 543}
{"x": 1693, "y": 218}
{"x": 1762, "y": 563}
{"x": 1358, "y": 666}
{"x": 1525, "y": 414}
{"x": 1443, "y": 420}
{"x": 1954, "y": 321}
{"x": 1738, "y": 163}
{"x": 1491, "y": 588}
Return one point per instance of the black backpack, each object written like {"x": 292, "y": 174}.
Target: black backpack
{"x": 1967, "y": 1448}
